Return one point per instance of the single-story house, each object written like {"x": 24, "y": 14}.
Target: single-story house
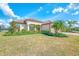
{"x": 31, "y": 24}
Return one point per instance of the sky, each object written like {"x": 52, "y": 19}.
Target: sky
{"x": 38, "y": 11}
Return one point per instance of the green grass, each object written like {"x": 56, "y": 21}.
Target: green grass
{"x": 38, "y": 44}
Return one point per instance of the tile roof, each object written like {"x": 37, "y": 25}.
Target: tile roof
{"x": 23, "y": 21}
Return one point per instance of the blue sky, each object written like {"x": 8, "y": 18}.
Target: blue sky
{"x": 38, "y": 11}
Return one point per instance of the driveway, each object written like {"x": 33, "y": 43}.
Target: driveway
{"x": 77, "y": 34}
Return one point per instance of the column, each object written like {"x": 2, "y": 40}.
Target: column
{"x": 28, "y": 28}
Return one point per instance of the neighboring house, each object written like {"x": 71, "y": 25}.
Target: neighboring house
{"x": 31, "y": 24}
{"x": 2, "y": 27}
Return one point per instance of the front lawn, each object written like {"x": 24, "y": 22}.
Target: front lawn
{"x": 39, "y": 44}
{"x": 24, "y": 32}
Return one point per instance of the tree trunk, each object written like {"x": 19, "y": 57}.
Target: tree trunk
{"x": 56, "y": 31}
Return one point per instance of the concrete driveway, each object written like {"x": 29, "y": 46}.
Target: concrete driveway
{"x": 77, "y": 34}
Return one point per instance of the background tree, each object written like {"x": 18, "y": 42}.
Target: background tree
{"x": 0, "y": 28}
{"x": 71, "y": 24}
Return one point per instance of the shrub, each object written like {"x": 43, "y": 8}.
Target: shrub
{"x": 60, "y": 35}
{"x": 53, "y": 34}
{"x": 10, "y": 29}
{"x": 75, "y": 29}
{"x": 47, "y": 33}
{"x": 23, "y": 32}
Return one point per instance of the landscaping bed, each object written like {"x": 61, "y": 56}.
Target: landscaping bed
{"x": 48, "y": 33}
{"x": 24, "y": 32}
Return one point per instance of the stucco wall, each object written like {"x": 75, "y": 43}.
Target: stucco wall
{"x": 25, "y": 26}
{"x": 22, "y": 26}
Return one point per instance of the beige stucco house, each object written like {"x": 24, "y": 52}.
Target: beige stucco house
{"x": 27, "y": 24}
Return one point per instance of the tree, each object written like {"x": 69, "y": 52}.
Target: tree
{"x": 37, "y": 27}
{"x": 70, "y": 24}
{"x": 13, "y": 26}
{"x": 58, "y": 25}
{"x": 0, "y": 28}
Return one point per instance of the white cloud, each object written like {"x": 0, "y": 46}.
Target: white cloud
{"x": 75, "y": 13}
{"x": 59, "y": 9}
{"x": 74, "y": 6}
{"x": 7, "y": 10}
{"x": 1, "y": 22}
{"x": 10, "y": 20}
{"x": 41, "y": 8}
{"x": 71, "y": 6}
{"x": 65, "y": 10}
{"x": 5, "y": 23}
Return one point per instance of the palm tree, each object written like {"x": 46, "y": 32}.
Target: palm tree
{"x": 70, "y": 24}
{"x": 58, "y": 25}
